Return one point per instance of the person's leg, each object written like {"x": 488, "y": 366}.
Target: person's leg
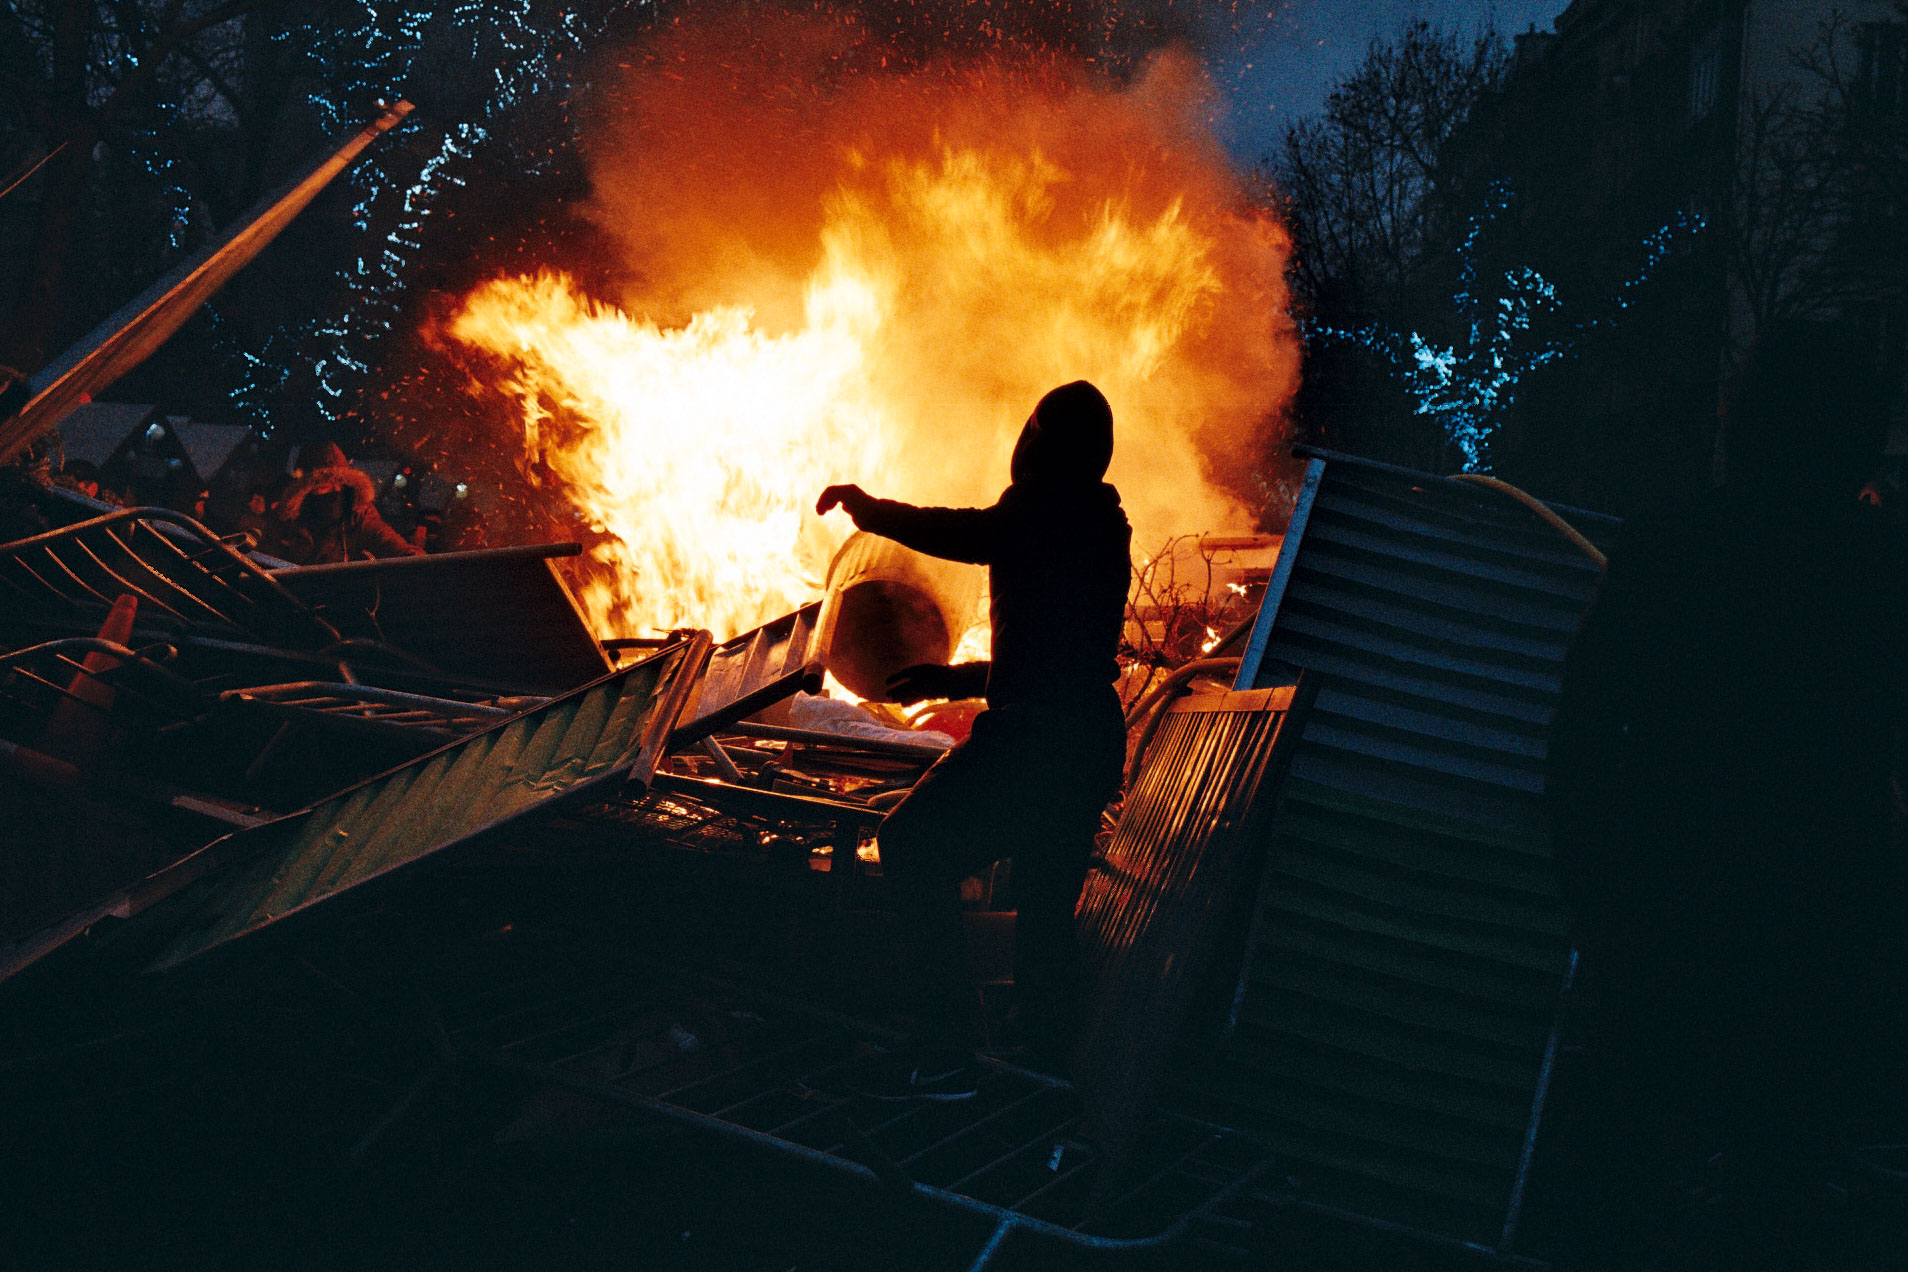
{"x": 1060, "y": 814}
{"x": 1048, "y": 989}
{"x": 935, "y": 838}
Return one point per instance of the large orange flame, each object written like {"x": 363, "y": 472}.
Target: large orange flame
{"x": 873, "y": 279}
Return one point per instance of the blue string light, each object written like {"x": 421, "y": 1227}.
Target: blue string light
{"x": 1469, "y": 389}
{"x": 369, "y": 59}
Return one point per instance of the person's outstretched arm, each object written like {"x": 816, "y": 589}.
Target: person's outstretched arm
{"x": 973, "y": 535}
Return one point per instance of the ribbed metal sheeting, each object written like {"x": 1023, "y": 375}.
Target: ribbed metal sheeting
{"x": 609, "y": 731}
{"x": 1166, "y": 907}
{"x": 185, "y": 579}
{"x": 1396, "y": 1016}
{"x": 752, "y": 671}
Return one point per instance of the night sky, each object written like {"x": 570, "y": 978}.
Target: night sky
{"x": 1276, "y": 66}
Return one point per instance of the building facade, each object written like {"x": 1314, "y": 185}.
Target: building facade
{"x": 1781, "y": 124}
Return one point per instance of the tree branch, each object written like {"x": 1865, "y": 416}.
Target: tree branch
{"x": 162, "y": 48}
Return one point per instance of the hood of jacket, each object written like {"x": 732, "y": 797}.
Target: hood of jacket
{"x": 359, "y": 490}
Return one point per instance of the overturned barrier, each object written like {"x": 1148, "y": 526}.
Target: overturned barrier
{"x": 612, "y": 731}
{"x": 1162, "y": 918}
{"x": 500, "y": 619}
{"x": 751, "y": 672}
{"x": 186, "y": 580}
{"x": 1395, "y": 1012}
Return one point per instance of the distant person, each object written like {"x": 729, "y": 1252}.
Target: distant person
{"x": 1042, "y": 761}
{"x": 21, "y": 516}
{"x": 428, "y": 534}
{"x": 15, "y": 391}
{"x": 255, "y": 518}
{"x": 82, "y": 477}
{"x": 330, "y": 515}
{"x": 1722, "y": 782}
{"x": 27, "y": 474}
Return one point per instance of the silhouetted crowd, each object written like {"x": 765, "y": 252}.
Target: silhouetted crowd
{"x": 325, "y": 511}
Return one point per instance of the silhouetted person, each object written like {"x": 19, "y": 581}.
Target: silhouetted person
{"x": 255, "y": 519}
{"x": 331, "y": 515}
{"x": 81, "y": 475}
{"x": 1720, "y": 778}
{"x": 15, "y": 391}
{"x": 1044, "y": 758}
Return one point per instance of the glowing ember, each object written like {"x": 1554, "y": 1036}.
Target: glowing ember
{"x": 889, "y": 319}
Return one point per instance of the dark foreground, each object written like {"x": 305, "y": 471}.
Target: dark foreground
{"x": 338, "y": 1100}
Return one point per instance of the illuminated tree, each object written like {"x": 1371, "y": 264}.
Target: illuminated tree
{"x": 1507, "y": 330}
{"x": 476, "y": 63}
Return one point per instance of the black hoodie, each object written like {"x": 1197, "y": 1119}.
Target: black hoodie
{"x": 1057, "y": 568}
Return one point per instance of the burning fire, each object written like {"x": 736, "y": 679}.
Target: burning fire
{"x": 901, "y": 265}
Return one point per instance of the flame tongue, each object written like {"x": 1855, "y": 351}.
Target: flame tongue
{"x": 694, "y": 452}
{"x": 950, "y": 287}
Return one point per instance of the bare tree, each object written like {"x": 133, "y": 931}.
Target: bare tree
{"x": 1820, "y": 190}
{"x": 1177, "y": 609}
{"x": 82, "y": 74}
{"x": 1367, "y": 184}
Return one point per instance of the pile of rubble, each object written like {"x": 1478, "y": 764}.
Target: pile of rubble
{"x": 1326, "y": 866}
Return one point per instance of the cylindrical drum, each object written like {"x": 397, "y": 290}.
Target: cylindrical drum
{"x": 888, "y": 607}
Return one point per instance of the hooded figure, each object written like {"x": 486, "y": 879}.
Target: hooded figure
{"x": 1722, "y": 791}
{"x": 1043, "y": 760}
{"x": 330, "y": 514}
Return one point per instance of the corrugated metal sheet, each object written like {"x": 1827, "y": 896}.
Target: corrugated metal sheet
{"x": 1396, "y": 1013}
{"x": 1165, "y": 908}
{"x": 184, "y": 577}
{"x": 500, "y": 618}
{"x": 752, "y": 671}
{"x": 610, "y": 731}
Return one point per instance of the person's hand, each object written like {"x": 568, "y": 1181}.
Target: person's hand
{"x": 921, "y": 681}
{"x": 851, "y": 499}
{"x": 937, "y": 680}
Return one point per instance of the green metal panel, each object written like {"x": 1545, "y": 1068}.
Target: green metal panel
{"x": 753, "y": 671}
{"x": 609, "y": 731}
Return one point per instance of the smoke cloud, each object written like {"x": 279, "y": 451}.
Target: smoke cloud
{"x": 727, "y": 152}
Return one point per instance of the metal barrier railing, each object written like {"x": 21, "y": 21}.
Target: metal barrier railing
{"x": 181, "y": 572}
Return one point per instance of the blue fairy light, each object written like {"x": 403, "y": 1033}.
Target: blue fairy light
{"x": 1469, "y": 389}
{"x": 368, "y": 58}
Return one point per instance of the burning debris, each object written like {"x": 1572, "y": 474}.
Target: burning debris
{"x": 831, "y": 262}
{"x": 551, "y": 789}
{"x": 704, "y": 779}
{"x": 293, "y": 749}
